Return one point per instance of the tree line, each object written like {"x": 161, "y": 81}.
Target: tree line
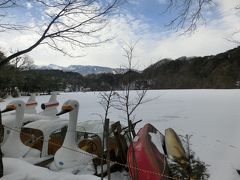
{"x": 220, "y": 71}
{"x": 28, "y": 79}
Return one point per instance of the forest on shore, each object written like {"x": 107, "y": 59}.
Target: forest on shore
{"x": 221, "y": 71}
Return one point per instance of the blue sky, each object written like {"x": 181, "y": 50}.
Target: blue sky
{"x": 139, "y": 20}
{"x": 150, "y": 11}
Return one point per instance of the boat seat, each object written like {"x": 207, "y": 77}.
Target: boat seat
{"x": 91, "y": 145}
{"x": 56, "y": 140}
{"x": 32, "y": 138}
{"x": 113, "y": 146}
{"x": 54, "y": 143}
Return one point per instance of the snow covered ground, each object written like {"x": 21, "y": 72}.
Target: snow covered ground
{"x": 212, "y": 117}
{"x": 15, "y": 169}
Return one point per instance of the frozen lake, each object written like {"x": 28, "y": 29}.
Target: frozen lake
{"x": 212, "y": 117}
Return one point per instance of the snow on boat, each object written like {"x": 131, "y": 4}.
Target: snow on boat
{"x": 146, "y": 159}
{"x": 44, "y": 135}
{"x": 30, "y": 115}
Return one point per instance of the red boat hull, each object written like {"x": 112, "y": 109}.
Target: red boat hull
{"x": 149, "y": 162}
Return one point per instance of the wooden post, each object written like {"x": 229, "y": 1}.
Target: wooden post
{"x": 122, "y": 144}
{"x": 102, "y": 151}
{"x": 132, "y": 128}
{"x": 1, "y": 134}
{"x": 106, "y": 136}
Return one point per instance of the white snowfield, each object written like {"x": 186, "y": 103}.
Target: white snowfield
{"x": 16, "y": 169}
{"x": 212, "y": 117}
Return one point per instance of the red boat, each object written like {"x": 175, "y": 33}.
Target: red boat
{"x": 148, "y": 161}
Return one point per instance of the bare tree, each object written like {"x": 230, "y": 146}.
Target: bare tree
{"x": 127, "y": 104}
{"x": 189, "y": 13}
{"x": 75, "y": 23}
{"x": 22, "y": 62}
{"x": 107, "y": 100}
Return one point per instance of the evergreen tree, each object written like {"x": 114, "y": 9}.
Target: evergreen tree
{"x": 190, "y": 168}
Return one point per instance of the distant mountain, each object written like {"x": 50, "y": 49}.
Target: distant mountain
{"x": 84, "y": 70}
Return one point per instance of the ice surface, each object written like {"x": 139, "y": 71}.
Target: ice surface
{"x": 212, "y": 117}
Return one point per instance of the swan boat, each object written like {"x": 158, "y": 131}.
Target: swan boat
{"x": 38, "y": 141}
{"x": 35, "y": 141}
{"x": 82, "y": 147}
{"x": 30, "y": 115}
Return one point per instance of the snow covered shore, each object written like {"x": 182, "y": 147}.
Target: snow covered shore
{"x": 20, "y": 170}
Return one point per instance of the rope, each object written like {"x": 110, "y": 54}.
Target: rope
{"x": 94, "y": 156}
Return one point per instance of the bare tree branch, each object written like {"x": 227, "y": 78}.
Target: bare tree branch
{"x": 126, "y": 103}
{"x": 189, "y": 13}
{"x": 234, "y": 39}
{"x": 72, "y": 22}
{"x": 22, "y": 62}
{"x": 4, "y": 24}
{"x": 7, "y": 3}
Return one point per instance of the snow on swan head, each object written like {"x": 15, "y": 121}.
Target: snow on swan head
{"x": 70, "y": 155}
{"x": 13, "y": 147}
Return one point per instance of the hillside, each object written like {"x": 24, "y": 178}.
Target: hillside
{"x": 219, "y": 71}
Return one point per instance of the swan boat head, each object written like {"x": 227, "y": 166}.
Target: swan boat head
{"x": 50, "y": 108}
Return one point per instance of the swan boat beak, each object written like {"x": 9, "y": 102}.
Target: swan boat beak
{"x": 65, "y": 109}
{"x": 9, "y": 107}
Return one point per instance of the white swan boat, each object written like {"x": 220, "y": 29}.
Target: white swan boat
{"x": 35, "y": 141}
{"x": 73, "y": 145}
{"x": 83, "y": 143}
{"x": 30, "y": 115}
{"x": 70, "y": 155}
{"x": 13, "y": 147}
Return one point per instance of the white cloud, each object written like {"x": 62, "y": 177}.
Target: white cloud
{"x": 29, "y": 5}
{"x": 206, "y": 40}
{"x": 133, "y": 2}
{"x": 162, "y": 2}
